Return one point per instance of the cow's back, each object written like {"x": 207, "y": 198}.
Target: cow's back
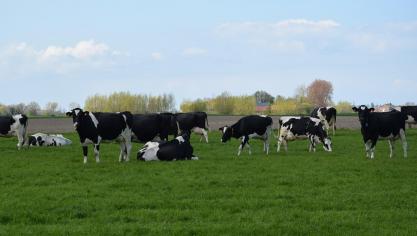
{"x": 110, "y": 125}
{"x": 253, "y": 124}
{"x": 386, "y": 123}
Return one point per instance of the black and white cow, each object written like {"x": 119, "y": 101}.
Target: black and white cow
{"x": 176, "y": 149}
{"x": 381, "y": 125}
{"x": 193, "y": 122}
{"x": 147, "y": 127}
{"x": 253, "y": 126}
{"x": 93, "y": 127}
{"x": 41, "y": 139}
{"x": 327, "y": 115}
{"x": 293, "y": 128}
{"x": 411, "y": 111}
{"x": 15, "y": 124}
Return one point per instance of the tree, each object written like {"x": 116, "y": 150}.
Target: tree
{"x": 74, "y": 105}
{"x": 320, "y": 92}
{"x": 16, "y": 109}
{"x": 223, "y": 104}
{"x": 263, "y": 97}
{"x": 33, "y": 109}
{"x": 51, "y": 108}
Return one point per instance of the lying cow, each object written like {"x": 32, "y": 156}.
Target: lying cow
{"x": 293, "y": 128}
{"x": 16, "y": 124}
{"x": 193, "y": 122}
{"x": 176, "y": 149}
{"x": 381, "y": 125}
{"x": 327, "y": 115}
{"x": 253, "y": 126}
{"x": 93, "y": 127}
{"x": 41, "y": 139}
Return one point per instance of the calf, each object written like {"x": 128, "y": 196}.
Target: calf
{"x": 381, "y": 125}
{"x": 253, "y": 126}
{"x": 193, "y": 122}
{"x": 41, "y": 139}
{"x": 15, "y": 124}
{"x": 177, "y": 149}
{"x": 92, "y": 127}
{"x": 411, "y": 111}
{"x": 327, "y": 115}
{"x": 293, "y": 128}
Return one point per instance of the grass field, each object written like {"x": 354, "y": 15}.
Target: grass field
{"x": 49, "y": 191}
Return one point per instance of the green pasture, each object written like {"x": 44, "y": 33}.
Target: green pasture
{"x": 49, "y": 191}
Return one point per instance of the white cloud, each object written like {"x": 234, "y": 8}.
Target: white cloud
{"x": 279, "y": 28}
{"x": 156, "y": 56}
{"x": 59, "y": 59}
{"x": 194, "y": 51}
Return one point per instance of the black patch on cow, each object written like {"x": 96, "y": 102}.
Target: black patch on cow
{"x": 5, "y": 124}
{"x": 246, "y": 126}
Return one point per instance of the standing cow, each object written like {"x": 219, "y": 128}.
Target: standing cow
{"x": 15, "y": 124}
{"x": 293, "y": 128}
{"x": 92, "y": 127}
{"x": 327, "y": 115}
{"x": 381, "y": 125}
{"x": 147, "y": 127}
{"x": 193, "y": 122}
{"x": 411, "y": 111}
{"x": 253, "y": 126}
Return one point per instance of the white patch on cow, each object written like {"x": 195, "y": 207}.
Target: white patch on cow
{"x": 224, "y": 129}
{"x": 263, "y": 116}
{"x": 93, "y": 118}
{"x": 180, "y": 139}
{"x": 76, "y": 111}
{"x": 149, "y": 151}
{"x": 19, "y": 130}
{"x": 194, "y": 158}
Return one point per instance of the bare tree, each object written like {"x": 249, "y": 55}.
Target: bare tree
{"x": 33, "y": 109}
{"x": 51, "y": 108}
{"x": 320, "y": 92}
{"x": 74, "y": 105}
{"x": 263, "y": 97}
{"x": 16, "y": 109}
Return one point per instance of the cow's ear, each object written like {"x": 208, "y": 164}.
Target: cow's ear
{"x": 221, "y": 129}
{"x": 68, "y": 114}
{"x": 355, "y": 109}
{"x": 372, "y": 109}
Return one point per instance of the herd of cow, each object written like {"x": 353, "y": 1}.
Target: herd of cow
{"x": 154, "y": 130}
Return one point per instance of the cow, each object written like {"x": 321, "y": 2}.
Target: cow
{"x": 41, "y": 139}
{"x": 411, "y": 111}
{"x": 193, "y": 122}
{"x": 293, "y": 128}
{"x": 148, "y": 127}
{"x": 327, "y": 115}
{"x": 381, "y": 125}
{"x": 93, "y": 127}
{"x": 252, "y": 126}
{"x": 15, "y": 124}
{"x": 176, "y": 149}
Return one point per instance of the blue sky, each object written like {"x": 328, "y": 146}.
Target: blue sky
{"x": 64, "y": 51}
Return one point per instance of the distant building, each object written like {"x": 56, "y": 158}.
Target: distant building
{"x": 386, "y": 108}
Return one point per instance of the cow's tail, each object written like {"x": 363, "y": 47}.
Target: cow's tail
{"x": 128, "y": 119}
{"x": 24, "y": 120}
{"x": 207, "y": 124}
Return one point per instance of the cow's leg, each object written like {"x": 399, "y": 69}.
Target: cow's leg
{"x": 20, "y": 137}
{"x": 128, "y": 148}
{"x": 391, "y": 143}
{"x": 373, "y": 144}
{"x": 122, "y": 151}
{"x": 368, "y": 148}
{"x": 85, "y": 152}
{"x": 242, "y": 144}
{"x": 205, "y": 133}
{"x": 404, "y": 142}
{"x": 97, "y": 152}
{"x": 280, "y": 139}
{"x": 312, "y": 144}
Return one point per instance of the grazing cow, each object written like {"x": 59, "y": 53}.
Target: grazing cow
{"x": 147, "y": 127}
{"x": 293, "y": 128}
{"x": 15, "y": 124}
{"x": 411, "y": 111}
{"x": 41, "y": 139}
{"x": 381, "y": 125}
{"x": 92, "y": 127}
{"x": 176, "y": 149}
{"x": 253, "y": 126}
{"x": 327, "y": 115}
{"x": 193, "y": 122}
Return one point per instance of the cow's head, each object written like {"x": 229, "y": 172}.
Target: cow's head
{"x": 74, "y": 113}
{"x": 227, "y": 133}
{"x": 363, "y": 114}
{"x": 322, "y": 135}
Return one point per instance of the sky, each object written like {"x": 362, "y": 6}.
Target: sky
{"x": 65, "y": 51}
